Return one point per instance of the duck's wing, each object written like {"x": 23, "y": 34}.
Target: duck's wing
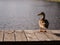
{"x": 47, "y": 23}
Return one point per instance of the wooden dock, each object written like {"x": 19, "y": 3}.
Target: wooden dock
{"x": 29, "y": 35}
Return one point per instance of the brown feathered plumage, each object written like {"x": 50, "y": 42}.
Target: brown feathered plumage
{"x": 43, "y": 23}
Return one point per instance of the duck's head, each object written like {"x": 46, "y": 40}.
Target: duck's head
{"x": 42, "y": 15}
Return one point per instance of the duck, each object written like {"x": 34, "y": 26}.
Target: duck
{"x": 43, "y": 23}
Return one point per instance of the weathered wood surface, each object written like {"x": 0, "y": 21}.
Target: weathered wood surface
{"x": 41, "y": 36}
{"x": 29, "y": 35}
{"x": 9, "y": 35}
{"x": 50, "y": 34}
{"x": 1, "y": 35}
{"x": 20, "y": 35}
{"x": 56, "y": 33}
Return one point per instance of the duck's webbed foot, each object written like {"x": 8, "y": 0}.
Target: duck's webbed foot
{"x": 43, "y": 30}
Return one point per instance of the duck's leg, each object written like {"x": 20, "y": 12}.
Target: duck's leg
{"x": 43, "y": 30}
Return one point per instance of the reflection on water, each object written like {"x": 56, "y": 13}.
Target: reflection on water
{"x": 22, "y": 14}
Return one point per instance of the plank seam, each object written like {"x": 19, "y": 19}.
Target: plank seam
{"x": 3, "y": 35}
{"x": 36, "y": 36}
{"x": 14, "y": 36}
{"x": 48, "y": 36}
{"x": 25, "y": 35}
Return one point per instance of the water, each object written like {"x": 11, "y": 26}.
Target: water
{"x": 22, "y": 14}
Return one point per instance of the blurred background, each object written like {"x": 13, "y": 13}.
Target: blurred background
{"x": 22, "y": 14}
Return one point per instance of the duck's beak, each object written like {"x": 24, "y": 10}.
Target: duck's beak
{"x": 38, "y": 14}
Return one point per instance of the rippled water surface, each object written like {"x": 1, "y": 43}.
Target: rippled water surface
{"x": 22, "y": 14}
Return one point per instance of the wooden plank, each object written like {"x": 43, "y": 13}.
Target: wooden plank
{"x": 55, "y": 31}
{"x": 41, "y": 36}
{"x": 51, "y": 36}
{"x": 20, "y": 36}
{"x": 30, "y": 35}
{"x": 9, "y": 31}
{"x": 9, "y": 35}
{"x": 1, "y": 35}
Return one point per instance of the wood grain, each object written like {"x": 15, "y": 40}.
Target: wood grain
{"x": 20, "y": 36}
{"x": 1, "y": 35}
{"x": 9, "y": 35}
{"x": 30, "y": 35}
